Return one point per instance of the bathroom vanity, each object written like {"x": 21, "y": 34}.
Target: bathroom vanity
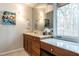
{"x": 34, "y": 44}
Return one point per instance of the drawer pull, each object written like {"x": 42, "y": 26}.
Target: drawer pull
{"x": 51, "y": 49}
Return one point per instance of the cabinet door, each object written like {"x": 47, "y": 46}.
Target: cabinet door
{"x": 25, "y": 42}
{"x": 36, "y": 46}
{"x": 29, "y": 46}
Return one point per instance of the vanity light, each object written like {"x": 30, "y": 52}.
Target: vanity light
{"x": 41, "y": 14}
{"x": 20, "y": 9}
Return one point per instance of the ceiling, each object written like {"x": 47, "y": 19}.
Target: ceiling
{"x": 43, "y": 5}
{"x": 32, "y": 4}
{"x": 38, "y": 5}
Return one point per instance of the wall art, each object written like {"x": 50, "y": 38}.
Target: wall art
{"x": 8, "y": 18}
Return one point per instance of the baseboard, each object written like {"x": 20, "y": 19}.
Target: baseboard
{"x": 4, "y": 53}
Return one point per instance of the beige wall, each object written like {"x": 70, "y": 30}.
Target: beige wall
{"x": 11, "y": 35}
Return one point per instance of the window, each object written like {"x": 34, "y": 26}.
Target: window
{"x": 68, "y": 20}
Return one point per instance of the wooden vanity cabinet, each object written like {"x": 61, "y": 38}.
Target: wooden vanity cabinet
{"x": 32, "y": 45}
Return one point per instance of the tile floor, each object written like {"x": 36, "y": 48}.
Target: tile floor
{"x": 18, "y": 53}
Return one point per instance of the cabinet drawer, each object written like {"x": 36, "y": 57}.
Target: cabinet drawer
{"x": 47, "y": 47}
{"x": 29, "y": 36}
{"x": 37, "y": 39}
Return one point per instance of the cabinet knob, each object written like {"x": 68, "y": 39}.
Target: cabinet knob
{"x": 34, "y": 39}
{"x": 51, "y": 49}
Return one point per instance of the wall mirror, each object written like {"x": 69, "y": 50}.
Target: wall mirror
{"x": 43, "y": 16}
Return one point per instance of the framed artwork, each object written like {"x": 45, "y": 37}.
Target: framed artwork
{"x": 8, "y": 18}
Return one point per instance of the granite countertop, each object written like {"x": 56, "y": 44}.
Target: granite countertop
{"x": 39, "y": 35}
{"x": 71, "y": 46}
